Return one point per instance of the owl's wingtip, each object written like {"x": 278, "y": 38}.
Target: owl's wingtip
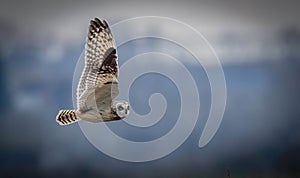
{"x": 96, "y": 26}
{"x": 103, "y": 23}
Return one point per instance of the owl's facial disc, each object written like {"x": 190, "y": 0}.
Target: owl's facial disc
{"x": 122, "y": 109}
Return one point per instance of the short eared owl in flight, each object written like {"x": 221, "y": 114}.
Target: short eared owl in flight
{"x": 98, "y": 85}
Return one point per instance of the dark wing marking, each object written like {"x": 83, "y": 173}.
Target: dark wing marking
{"x": 110, "y": 64}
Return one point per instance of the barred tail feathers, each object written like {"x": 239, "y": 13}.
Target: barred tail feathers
{"x": 66, "y": 117}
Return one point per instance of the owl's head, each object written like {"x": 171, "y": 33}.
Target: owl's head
{"x": 122, "y": 108}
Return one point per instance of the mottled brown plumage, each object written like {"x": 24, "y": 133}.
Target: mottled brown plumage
{"x": 98, "y": 84}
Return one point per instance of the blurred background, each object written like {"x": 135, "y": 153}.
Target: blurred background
{"x": 257, "y": 41}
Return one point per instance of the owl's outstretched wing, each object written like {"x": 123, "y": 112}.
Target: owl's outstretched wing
{"x": 98, "y": 84}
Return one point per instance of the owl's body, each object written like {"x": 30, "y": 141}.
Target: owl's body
{"x": 98, "y": 85}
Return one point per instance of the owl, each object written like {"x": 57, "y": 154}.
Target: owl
{"x": 98, "y": 84}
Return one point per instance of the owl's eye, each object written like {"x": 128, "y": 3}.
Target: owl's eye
{"x": 120, "y": 108}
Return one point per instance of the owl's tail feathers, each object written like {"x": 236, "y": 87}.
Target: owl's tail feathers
{"x": 66, "y": 117}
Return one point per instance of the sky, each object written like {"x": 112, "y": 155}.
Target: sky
{"x": 257, "y": 43}
{"x": 253, "y": 25}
